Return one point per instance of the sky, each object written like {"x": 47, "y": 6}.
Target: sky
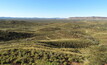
{"x": 53, "y": 8}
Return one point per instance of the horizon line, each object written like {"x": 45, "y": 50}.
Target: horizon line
{"x": 48, "y": 17}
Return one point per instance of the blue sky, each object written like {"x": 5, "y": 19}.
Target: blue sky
{"x": 52, "y": 8}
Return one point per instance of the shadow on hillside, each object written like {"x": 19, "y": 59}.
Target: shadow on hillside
{"x": 6, "y": 35}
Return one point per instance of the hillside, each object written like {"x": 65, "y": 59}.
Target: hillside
{"x": 53, "y": 42}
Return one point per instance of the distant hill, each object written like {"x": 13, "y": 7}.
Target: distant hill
{"x": 33, "y": 19}
{"x": 17, "y": 18}
{"x": 27, "y": 18}
{"x": 88, "y": 18}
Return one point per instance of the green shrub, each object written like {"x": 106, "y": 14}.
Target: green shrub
{"x": 26, "y": 56}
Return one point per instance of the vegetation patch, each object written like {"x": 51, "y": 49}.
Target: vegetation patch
{"x": 32, "y": 56}
{"x": 72, "y": 43}
{"x": 6, "y": 35}
{"x": 50, "y": 29}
